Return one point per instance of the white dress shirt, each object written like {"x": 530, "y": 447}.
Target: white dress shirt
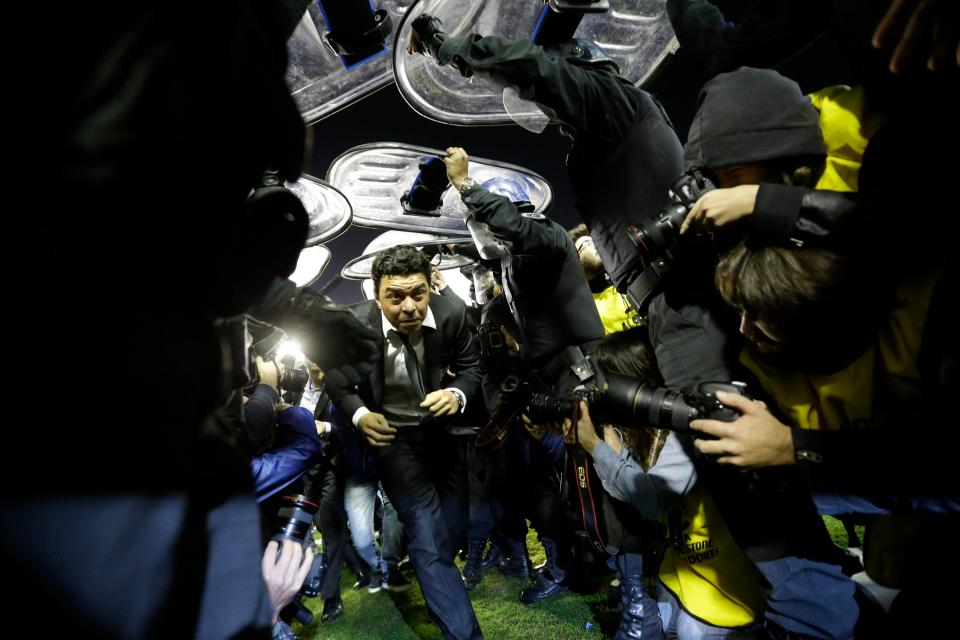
{"x": 401, "y": 398}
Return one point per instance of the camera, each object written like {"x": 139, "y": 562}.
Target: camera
{"x": 293, "y": 380}
{"x": 654, "y": 238}
{"x": 294, "y": 522}
{"x": 629, "y": 401}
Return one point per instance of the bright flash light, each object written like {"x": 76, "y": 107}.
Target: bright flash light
{"x": 291, "y": 348}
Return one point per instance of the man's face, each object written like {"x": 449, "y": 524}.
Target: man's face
{"x": 316, "y": 373}
{"x": 589, "y": 257}
{"x": 403, "y": 300}
{"x": 760, "y": 336}
{"x": 729, "y": 177}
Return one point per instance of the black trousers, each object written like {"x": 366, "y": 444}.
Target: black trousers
{"x": 425, "y": 478}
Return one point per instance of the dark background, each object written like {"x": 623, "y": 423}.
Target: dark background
{"x": 386, "y": 117}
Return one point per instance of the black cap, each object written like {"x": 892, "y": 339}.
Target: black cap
{"x": 752, "y": 115}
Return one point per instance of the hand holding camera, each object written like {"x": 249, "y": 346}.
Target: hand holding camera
{"x": 755, "y": 439}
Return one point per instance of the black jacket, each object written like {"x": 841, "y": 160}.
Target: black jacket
{"x": 550, "y": 291}
{"x": 451, "y": 346}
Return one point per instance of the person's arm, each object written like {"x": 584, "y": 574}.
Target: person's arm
{"x": 260, "y": 416}
{"x": 650, "y": 492}
{"x": 501, "y": 215}
{"x": 297, "y": 448}
{"x": 769, "y": 32}
{"x": 594, "y": 102}
{"x": 465, "y": 363}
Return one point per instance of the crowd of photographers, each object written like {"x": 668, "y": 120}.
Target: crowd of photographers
{"x": 750, "y": 331}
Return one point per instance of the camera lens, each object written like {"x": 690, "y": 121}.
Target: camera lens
{"x": 294, "y": 519}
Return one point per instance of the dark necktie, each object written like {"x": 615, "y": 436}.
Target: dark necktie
{"x": 413, "y": 365}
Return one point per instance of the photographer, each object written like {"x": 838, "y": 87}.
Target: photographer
{"x": 550, "y": 303}
{"x": 142, "y": 139}
{"x": 625, "y": 153}
{"x": 646, "y": 473}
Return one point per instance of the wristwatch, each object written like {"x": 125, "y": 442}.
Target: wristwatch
{"x": 468, "y": 183}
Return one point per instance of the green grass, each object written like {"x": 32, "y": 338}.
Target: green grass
{"x": 401, "y": 616}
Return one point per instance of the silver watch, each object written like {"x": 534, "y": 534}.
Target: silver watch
{"x": 467, "y": 183}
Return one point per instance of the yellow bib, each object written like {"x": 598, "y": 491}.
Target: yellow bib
{"x": 615, "y": 312}
{"x": 847, "y": 398}
{"x": 704, "y": 568}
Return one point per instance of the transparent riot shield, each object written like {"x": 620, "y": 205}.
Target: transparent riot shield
{"x": 374, "y": 177}
{"x": 310, "y": 265}
{"x": 636, "y": 34}
{"x": 360, "y": 267}
{"x": 319, "y": 79}
{"x": 328, "y": 209}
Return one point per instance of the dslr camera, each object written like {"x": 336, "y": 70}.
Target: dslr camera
{"x": 629, "y": 401}
{"x": 656, "y": 238}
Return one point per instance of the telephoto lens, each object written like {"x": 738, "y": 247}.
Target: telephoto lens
{"x": 294, "y": 520}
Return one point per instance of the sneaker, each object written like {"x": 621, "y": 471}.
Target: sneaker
{"x": 394, "y": 580}
{"x": 363, "y": 581}
{"x": 376, "y": 581}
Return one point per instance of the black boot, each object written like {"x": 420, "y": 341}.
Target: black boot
{"x": 548, "y": 583}
{"x": 639, "y": 615}
{"x": 472, "y": 572}
{"x": 516, "y": 562}
{"x": 332, "y": 609}
{"x": 492, "y": 557}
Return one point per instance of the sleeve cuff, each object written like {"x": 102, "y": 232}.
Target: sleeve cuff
{"x": 359, "y": 413}
{"x": 776, "y": 211}
{"x": 463, "y": 398}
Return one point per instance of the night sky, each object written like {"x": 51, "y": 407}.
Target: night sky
{"x": 386, "y": 117}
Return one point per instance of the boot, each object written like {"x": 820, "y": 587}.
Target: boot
{"x": 639, "y": 615}
{"x": 516, "y": 562}
{"x": 492, "y": 557}
{"x": 472, "y": 572}
{"x": 547, "y": 583}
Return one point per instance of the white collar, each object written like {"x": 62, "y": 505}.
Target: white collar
{"x": 385, "y": 325}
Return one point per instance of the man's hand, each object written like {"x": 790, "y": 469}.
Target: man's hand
{"x": 721, "y": 207}
{"x": 441, "y": 403}
{"x": 284, "y": 574}
{"x": 330, "y": 335}
{"x": 755, "y": 439}
{"x": 377, "y": 430}
{"x": 437, "y": 279}
{"x": 584, "y": 433}
{"x": 536, "y": 431}
{"x": 457, "y": 162}
{"x": 920, "y": 32}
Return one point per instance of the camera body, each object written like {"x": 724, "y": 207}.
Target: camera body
{"x": 655, "y": 239}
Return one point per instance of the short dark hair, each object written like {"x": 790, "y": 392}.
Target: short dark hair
{"x": 814, "y": 299}
{"x": 401, "y": 260}
{"x": 578, "y": 232}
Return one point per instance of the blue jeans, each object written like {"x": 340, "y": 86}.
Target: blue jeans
{"x": 359, "y": 500}
{"x": 847, "y": 503}
{"x": 686, "y": 627}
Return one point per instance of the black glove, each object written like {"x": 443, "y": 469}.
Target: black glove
{"x": 330, "y": 335}
{"x": 428, "y": 35}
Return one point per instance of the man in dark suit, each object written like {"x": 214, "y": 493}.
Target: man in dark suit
{"x": 401, "y": 407}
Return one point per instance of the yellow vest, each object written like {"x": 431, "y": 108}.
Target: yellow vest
{"x": 704, "y": 568}
{"x": 847, "y": 398}
{"x": 615, "y": 312}
{"x": 841, "y": 113}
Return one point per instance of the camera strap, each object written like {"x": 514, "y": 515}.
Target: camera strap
{"x": 593, "y": 525}
{"x": 648, "y": 284}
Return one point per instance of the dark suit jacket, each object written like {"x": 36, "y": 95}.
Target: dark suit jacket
{"x": 451, "y": 345}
